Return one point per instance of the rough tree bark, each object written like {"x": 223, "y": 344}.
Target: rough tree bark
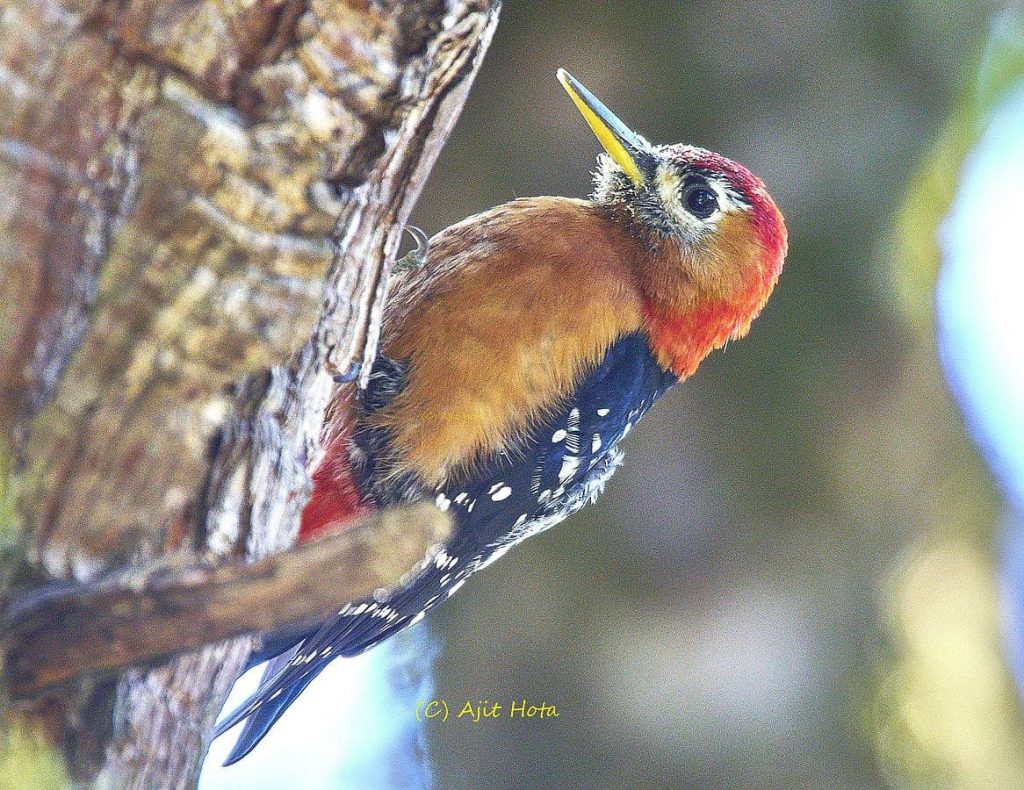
{"x": 190, "y": 190}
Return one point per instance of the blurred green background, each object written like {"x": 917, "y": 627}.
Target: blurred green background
{"x": 791, "y": 582}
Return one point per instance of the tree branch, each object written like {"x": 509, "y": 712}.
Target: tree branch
{"x": 98, "y": 629}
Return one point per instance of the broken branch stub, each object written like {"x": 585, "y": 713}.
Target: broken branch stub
{"x": 97, "y": 629}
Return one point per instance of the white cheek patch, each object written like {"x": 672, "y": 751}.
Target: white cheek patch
{"x": 668, "y": 184}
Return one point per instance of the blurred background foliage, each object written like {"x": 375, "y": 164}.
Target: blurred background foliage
{"x": 793, "y": 582}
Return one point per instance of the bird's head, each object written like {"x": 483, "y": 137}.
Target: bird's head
{"x": 714, "y": 237}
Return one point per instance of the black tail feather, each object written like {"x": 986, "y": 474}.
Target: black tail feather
{"x": 259, "y": 722}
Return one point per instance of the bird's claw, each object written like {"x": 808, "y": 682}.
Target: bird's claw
{"x": 416, "y": 257}
{"x": 349, "y": 375}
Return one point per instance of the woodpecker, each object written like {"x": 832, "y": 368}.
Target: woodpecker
{"x": 515, "y": 358}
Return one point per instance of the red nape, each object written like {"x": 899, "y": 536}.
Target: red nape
{"x": 335, "y": 499}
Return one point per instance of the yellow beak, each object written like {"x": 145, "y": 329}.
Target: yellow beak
{"x": 622, "y": 144}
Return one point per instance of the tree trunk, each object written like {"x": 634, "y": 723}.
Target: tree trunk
{"x": 199, "y": 204}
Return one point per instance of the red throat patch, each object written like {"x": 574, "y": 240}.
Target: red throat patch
{"x": 681, "y": 338}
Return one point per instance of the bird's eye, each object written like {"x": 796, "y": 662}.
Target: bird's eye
{"x": 700, "y": 201}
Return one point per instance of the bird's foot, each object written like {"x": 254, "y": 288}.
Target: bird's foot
{"x": 414, "y": 258}
{"x": 349, "y": 375}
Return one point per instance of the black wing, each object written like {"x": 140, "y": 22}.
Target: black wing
{"x": 561, "y": 464}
